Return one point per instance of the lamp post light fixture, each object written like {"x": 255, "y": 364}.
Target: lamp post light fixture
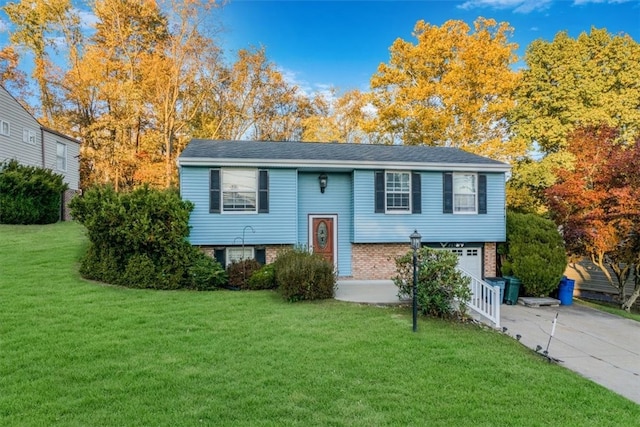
{"x": 323, "y": 181}
{"x": 415, "y": 245}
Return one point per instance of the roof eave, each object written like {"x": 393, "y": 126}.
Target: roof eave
{"x": 340, "y": 164}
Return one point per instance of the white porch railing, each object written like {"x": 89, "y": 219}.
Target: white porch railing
{"x": 485, "y": 299}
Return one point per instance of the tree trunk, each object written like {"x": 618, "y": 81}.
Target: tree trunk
{"x": 628, "y": 303}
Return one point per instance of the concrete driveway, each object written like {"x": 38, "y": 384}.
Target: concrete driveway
{"x": 599, "y": 346}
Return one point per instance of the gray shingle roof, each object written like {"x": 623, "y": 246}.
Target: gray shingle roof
{"x": 306, "y": 152}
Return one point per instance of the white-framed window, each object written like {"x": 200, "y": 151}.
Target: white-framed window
{"x": 235, "y": 254}
{"x": 398, "y": 191}
{"x": 5, "y": 128}
{"x": 29, "y": 136}
{"x": 465, "y": 192}
{"x": 61, "y": 156}
{"x": 239, "y": 190}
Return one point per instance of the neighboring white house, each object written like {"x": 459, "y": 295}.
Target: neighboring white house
{"x": 24, "y": 139}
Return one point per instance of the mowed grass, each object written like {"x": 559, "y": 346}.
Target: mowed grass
{"x": 78, "y": 353}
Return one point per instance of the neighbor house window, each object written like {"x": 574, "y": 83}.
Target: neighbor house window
{"x": 5, "y": 128}
{"x": 238, "y": 190}
{"x": 61, "y": 156}
{"x": 239, "y": 254}
{"x": 398, "y": 191}
{"x": 464, "y": 193}
{"x": 28, "y": 136}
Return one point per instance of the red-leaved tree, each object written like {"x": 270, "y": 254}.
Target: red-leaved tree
{"x": 597, "y": 203}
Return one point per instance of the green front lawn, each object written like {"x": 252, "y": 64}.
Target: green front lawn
{"x": 76, "y": 353}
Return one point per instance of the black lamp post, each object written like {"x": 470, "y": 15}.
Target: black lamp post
{"x": 415, "y": 245}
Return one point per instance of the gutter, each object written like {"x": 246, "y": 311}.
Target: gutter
{"x": 338, "y": 165}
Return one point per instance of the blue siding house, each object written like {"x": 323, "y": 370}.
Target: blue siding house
{"x": 355, "y": 204}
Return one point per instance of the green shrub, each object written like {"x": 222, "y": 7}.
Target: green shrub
{"x": 139, "y": 239}
{"x": 206, "y": 273}
{"x": 301, "y": 275}
{"x": 443, "y": 291}
{"x": 140, "y": 272}
{"x": 239, "y": 272}
{"x": 29, "y": 195}
{"x": 263, "y": 278}
{"x": 534, "y": 253}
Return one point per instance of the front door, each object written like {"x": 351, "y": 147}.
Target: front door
{"x": 323, "y": 237}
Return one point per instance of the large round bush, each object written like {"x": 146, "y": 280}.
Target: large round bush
{"x": 534, "y": 253}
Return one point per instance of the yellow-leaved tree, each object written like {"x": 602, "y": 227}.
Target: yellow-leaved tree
{"x": 454, "y": 87}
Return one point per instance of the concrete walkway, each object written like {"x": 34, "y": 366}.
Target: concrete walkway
{"x": 599, "y": 346}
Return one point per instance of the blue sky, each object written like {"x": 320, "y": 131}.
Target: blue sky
{"x": 321, "y": 43}
{"x": 341, "y": 43}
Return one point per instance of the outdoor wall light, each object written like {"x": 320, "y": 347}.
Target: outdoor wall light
{"x": 415, "y": 245}
{"x": 323, "y": 181}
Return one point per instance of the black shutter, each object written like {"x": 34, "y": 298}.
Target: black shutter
{"x": 482, "y": 194}
{"x": 379, "y": 190}
{"x": 416, "y": 193}
{"x": 447, "y": 192}
{"x": 214, "y": 191}
{"x": 261, "y": 255}
{"x": 220, "y": 256}
{"x": 263, "y": 191}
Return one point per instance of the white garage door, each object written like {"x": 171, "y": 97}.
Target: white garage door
{"x": 470, "y": 260}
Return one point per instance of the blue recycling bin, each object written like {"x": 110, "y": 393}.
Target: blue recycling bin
{"x": 497, "y": 281}
{"x": 565, "y": 291}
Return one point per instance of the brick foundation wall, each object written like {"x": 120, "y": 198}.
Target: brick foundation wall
{"x": 274, "y": 250}
{"x": 375, "y": 261}
{"x": 490, "y": 260}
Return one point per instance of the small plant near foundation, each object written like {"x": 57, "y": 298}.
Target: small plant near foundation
{"x": 264, "y": 278}
{"x": 443, "y": 290}
{"x": 301, "y": 275}
{"x": 239, "y": 272}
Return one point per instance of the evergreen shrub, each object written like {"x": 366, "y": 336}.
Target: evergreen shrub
{"x": 443, "y": 291}
{"x": 139, "y": 239}
{"x": 29, "y": 195}
{"x": 263, "y": 278}
{"x": 534, "y": 253}
{"x": 301, "y": 275}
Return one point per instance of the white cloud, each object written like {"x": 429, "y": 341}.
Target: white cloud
{"x": 4, "y": 26}
{"x": 581, "y": 2}
{"x": 518, "y": 6}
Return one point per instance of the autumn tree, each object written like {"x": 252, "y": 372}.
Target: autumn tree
{"x": 106, "y": 88}
{"x": 39, "y": 27}
{"x": 454, "y": 87}
{"x": 252, "y": 100}
{"x": 569, "y": 83}
{"x": 339, "y": 118}
{"x": 11, "y": 77}
{"x": 597, "y": 203}
{"x": 175, "y": 85}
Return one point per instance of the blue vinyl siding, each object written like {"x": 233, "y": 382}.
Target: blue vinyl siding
{"x": 434, "y": 226}
{"x": 276, "y": 227}
{"x": 336, "y": 200}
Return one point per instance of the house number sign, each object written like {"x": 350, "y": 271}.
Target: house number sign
{"x": 322, "y": 234}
